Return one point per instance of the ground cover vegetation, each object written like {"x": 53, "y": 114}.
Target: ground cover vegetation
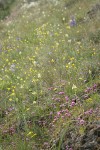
{"x": 5, "y": 7}
{"x": 49, "y": 76}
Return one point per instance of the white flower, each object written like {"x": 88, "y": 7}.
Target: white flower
{"x": 39, "y": 75}
{"x": 34, "y": 102}
{"x": 12, "y": 67}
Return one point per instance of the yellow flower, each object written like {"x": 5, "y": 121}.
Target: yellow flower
{"x": 72, "y": 58}
{"x": 12, "y": 94}
{"x": 34, "y": 102}
{"x": 79, "y": 43}
{"x": 67, "y": 66}
{"x": 68, "y": 27}
{"x": 52, "y": 60}
{"x": 10, "y": 99}
{"x": 7, "y": 60}
{"x": 55, "y": 89}
{"x": 74, "y": 87}
{"x": 27, "y": 109}
{"x": 73, "y": 65}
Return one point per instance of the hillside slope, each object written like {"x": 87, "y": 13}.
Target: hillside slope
{"x": 50, "y": 76}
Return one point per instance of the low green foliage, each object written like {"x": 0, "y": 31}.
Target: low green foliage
{"x": 5, "y": 6}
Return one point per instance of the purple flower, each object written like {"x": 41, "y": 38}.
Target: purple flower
{"x": 94, "y": 86}
{"x": 57, "y": 99}
{"x": 72, "y": 21}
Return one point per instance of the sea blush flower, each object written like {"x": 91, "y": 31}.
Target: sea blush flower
{"x": 59, "y": 113}
{"x": 81, "y": 122}
{"x": 72, "y": 104}
{"x": 67, "y": 98}
{"x": 61, "y": 93}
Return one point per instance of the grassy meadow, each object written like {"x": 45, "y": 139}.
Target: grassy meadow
{"x": 49, "y": 74}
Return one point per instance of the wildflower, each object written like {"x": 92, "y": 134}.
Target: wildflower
{"x": 61, "y": 93}
{"x": 27, "y": 109}
{"x": 67, "y": 147}
{"x": 59, "y": 113}
{"x": 72, "y": 21}
{"x": 50, "y": 88}
{"x": 74, "y": 87}
{"x": 67, "y": 98}
{"x": 63, "y": 19}
{"x": 90, "y": 111}
{"x": 69, "y": 41}
{"x": 34, "y": 102}
{"x": 94, "y": 86}
{"x": 82, "y": 122}
{"x": 72, "y": 103}
{"x": 68, "y": 27}
{"x": 12, "y": 67}
{"x": 67, "y": 66}
{"x": 57, "y": 99}
{"x": 39, "y": 75}
{"x": 10, "y": 99}
{"x": 70, "y": 149}
{"x": 52, "y": 60}
{"x": 35, "y": 63}
{"x": 66, "y": 35}
{"x": 90, "y": 72}
{"x": 11, "y": 130}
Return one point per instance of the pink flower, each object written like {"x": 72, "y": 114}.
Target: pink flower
{"x": 72, "y": 103}
{"x": 59, "y": 113}
{"x": 82, "y": 122}
{"x": 61, "y": 93}
{"x": 90, "y": 111}
{"x": 67, "y": 98}
{"x": 68, "y": 114}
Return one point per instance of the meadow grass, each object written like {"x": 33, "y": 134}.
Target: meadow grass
{"x": 49, "y": 78}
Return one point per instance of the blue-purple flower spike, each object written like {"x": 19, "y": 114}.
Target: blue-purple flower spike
{"x": 72, "y": 21}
